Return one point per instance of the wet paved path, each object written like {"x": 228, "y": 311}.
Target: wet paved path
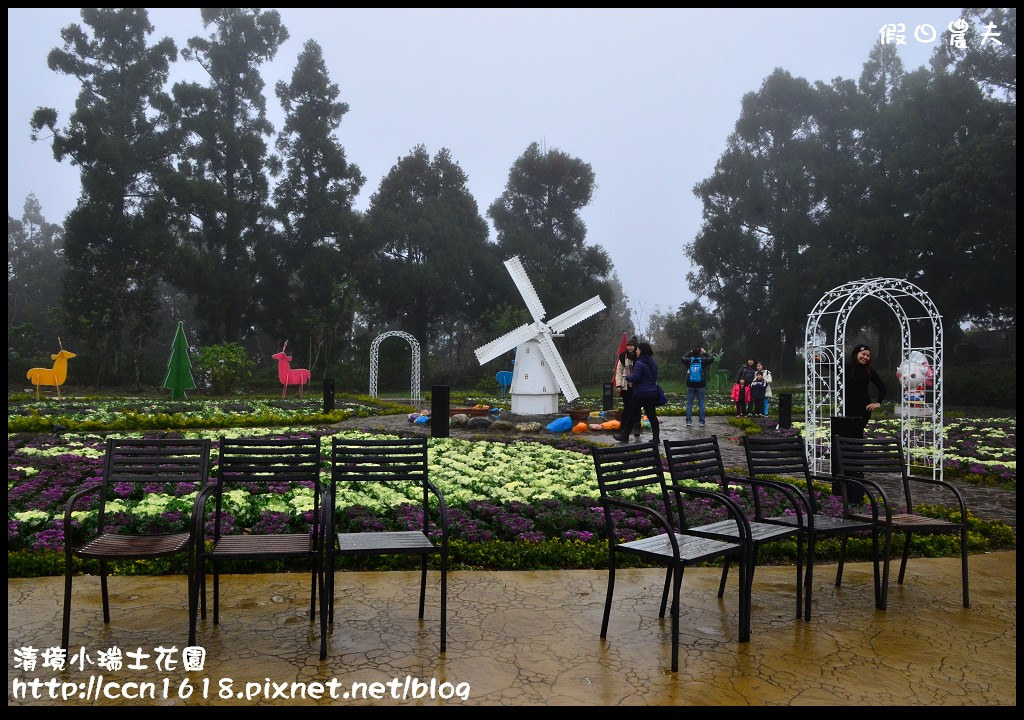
{"x": 532, "y": 638}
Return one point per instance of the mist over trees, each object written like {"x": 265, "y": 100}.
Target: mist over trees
{"x": 194, "y": 208}
{"x": 908, "y": 175}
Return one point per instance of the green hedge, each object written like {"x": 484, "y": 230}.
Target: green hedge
{"x": 974, "y": 385}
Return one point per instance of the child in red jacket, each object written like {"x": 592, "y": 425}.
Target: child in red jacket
{"x": 741, "y": 396}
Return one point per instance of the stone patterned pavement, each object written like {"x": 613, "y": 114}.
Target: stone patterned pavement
{"x": 531, "y": 638}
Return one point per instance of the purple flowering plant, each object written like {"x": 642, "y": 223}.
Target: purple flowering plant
{"x": 45, "y": 469}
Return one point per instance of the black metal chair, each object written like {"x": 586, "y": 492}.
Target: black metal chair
{"x": 265, "y": 460}
{"x": 700, "y": 460}
{"x": 787, "y": 456}
{"x": 139, "y": 463}
{"x": 390, "y": 461}
{"x": 884, "y": 456}
{"x": 638, "y": 467}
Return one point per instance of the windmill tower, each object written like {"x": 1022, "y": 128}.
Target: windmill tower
{"x": 539, "y": 372}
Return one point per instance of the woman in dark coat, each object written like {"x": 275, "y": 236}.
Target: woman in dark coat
{"x": 644, "y": 379}
{"x": 859, "y": 374}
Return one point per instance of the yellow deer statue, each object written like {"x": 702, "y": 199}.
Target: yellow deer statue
{"x": 52, "y": 376}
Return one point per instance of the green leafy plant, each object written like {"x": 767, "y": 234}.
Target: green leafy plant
{"x": 224, "y": 367}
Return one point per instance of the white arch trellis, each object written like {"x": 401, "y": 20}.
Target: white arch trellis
{"x": 374, "y": 365}
{"x": 824, "y": 381}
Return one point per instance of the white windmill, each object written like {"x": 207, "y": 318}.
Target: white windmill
{"x": 539, "y": 372}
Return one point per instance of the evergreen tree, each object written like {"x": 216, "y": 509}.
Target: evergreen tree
{"x": 432, "y": 262}
{"x": 537, "y": 218}
{"x": 221, "y": 187}
{"x": 179, "y": 367}
{"x": 35, "y": 270}
{"x": 115, "y": 236}
{"x": 308, "y": 284}
{"x": 761, "y": 210}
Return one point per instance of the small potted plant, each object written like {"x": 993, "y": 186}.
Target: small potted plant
{"x": 578, "y": 411}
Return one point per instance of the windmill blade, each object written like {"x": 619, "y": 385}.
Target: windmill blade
{"x": 577, "y": 315}
{"x": 508, "y": 341}
{"x": 554, "y": 361}
{"x": 526, "y": 289}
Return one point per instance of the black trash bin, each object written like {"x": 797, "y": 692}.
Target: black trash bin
{"x": 850, "y": 427}
{"x": 785, "y": 410}
{"x": 440, "y": 401}
{"x": 328, "y": 395}
{"x": 608, "y": 397}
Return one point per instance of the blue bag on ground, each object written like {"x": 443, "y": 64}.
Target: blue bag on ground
{"x": 561, "y": 424}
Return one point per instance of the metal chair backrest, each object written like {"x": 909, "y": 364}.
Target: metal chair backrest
{"x": 385, "y": 460}
{"x": 279, "y": 462}
{"x": 636, "y": 467}
{"x": 780, "y": 456}
{"x": 871, "y": 456}
{"x": 696, "y": 460}
{"x": 153, "y": 461}
{"x": 268, "y": 460}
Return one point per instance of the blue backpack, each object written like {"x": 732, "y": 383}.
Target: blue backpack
{"x": 696, "y": 370}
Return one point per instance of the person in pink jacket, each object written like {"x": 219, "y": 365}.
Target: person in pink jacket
{"x": 741, "y": 396}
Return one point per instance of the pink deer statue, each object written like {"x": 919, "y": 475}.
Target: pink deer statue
{"x": 52, "y": 376}
{"x": 286, "y": 375}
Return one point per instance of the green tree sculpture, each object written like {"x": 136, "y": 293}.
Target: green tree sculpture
{"x": 179, "y": 367}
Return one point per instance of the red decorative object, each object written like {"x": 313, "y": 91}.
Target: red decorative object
{"x": 286, "y": 375}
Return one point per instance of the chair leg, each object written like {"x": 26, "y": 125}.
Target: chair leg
{"x": 799, "y": 574}
{"x": 201, "y": 585}
{"x": 216, "y": 592}
{"x": 312, "y": 593}
{"x": 752, "y": 565}
{"x": 963, "y": 563}
{"x": 423, "y": 583}
{"x": 842, "y": 559}
{"x": 882, "y": 587}
{"x": 677, "y": 582}
{"x": 608, "y": 593}
{"x": 330, "y": 587}
{"x": 725, "y": 575}
{"x": 746, "y": 584}
{"x": 444, "y": 599}
{"x": 193, "y": 595}
{"x": 664, "y": 594}
{"x": 103, "y": 591}
{"x": 907, "y": 535}
{"x": 66, "y": 628}
{"x": 322, "y": 581}
{"x": 809, "y": 577}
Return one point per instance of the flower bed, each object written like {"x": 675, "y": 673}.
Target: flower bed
{"x": 979, "y": 451}
{"x": 149, "y": 413}
{"x": 513, "y": 501}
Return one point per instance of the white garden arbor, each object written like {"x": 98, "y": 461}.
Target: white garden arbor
{"x": 824, "y": 381}
{"x": 414, "y": 391}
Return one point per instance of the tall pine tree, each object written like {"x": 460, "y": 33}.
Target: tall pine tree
{"x": 221, "y": 187}
{"x": 115, "y": 236}
{"x": 307, "y": 276}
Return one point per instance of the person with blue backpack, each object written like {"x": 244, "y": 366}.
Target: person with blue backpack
{"x": 696, "y": 362}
